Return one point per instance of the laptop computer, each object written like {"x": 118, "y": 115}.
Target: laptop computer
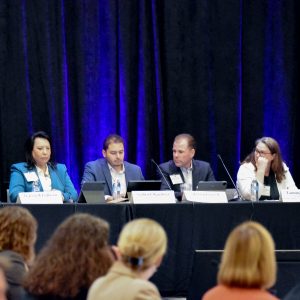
{"x": 92, "y": 193}
{"x": 211, "y": 186}
{"x": 142, "y": 185}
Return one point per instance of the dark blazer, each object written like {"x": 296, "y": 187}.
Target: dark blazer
{"x": 60, "y": 180}
{"x": 201, "y": 171}
{"x": 14, "y": 274}
{"x": 98, "y": 170}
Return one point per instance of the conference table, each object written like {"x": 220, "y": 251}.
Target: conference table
{"x": 189, "y": 226}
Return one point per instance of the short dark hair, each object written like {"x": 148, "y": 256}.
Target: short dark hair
{"x": 29, "y": 147}
{"x": 112, "y": 138}
{"x": 190, "y": 139}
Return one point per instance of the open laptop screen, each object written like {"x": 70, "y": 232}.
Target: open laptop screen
{"x": 143, "y": 185}
{"x": 211, "y": 186}
{"x": 92, "y": 192}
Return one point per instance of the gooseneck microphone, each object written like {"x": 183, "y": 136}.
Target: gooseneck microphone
{"x": 161, "y": 173}
{"x": 235, "y": 187}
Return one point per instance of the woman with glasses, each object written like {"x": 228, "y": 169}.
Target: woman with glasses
{"x": 265, "y": 165}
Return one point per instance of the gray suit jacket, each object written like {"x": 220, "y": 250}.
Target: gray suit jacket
{"x": 98, "y": 170}
{"x": 14, "y": 274}
{"x": 201, "y": 171}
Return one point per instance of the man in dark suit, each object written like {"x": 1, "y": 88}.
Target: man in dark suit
{"x": 183, "y": 169}
{"x": 112, "y": 169}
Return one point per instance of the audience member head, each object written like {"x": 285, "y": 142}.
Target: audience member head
{"x": 184, "y": 149}
{"x": 4, "y": 264}
{"x": 269, "y": 149}
{"x": 38, "y": 149}
{"x": 248, "y": 260}
{"x": 18, "y": 231}
{"x": 75, "y": 255}
{"x": 113, "y": 151}
{"x": 142, "y": 244}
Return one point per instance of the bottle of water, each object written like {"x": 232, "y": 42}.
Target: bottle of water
{"x": 35, "y": 186}
{"x": 254, "y": 190}
{"x": 114, "y": 190}
{"x": 118, "y": 189}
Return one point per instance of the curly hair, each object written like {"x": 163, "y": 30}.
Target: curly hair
{"x": 75, "y": 255}
{"x": 18, "y": 229}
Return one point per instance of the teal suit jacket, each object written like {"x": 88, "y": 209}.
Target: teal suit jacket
{"x": 60, "y": 180}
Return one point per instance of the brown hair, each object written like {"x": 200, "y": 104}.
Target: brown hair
{"x": 18, "y": 231}
{"x": 277, "y": 163}
{"x": 112, "y": 138}
{"x": 248, "y": 260}
{"x": 75, "y": 255}
{"x": 190, "y": 139}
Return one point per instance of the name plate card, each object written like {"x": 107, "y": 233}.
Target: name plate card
{"x": 51, "y": 197}
{"x": 148, "y": 197}
{"x": 288, "y": 195}
{"x": 205, "y": 196}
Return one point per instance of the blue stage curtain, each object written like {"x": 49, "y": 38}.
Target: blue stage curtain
{"x": 225, "y": 71}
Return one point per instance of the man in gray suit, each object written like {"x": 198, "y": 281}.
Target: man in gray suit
{"x": 112, "y": 169}
{"x": 183, "y": 169}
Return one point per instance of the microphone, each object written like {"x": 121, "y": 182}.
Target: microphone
{"x": 161, "y": 173}
{"x": 64, "y": 200}
{"x": 235, "y": 187}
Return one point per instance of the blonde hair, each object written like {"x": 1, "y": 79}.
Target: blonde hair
{"x": 142, "y": 243}
{"x": 248, "y": 260}
{"x": 18, "y": 231}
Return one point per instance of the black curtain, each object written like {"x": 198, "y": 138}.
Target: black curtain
{"x": 224, "y": 71}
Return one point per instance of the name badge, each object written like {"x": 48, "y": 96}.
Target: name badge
{"x": 31, "y": 176}
{"x": 266, "y": 191}
{"x": 146, "y": 197}
{"x": 51, "y": 197}
{"x": 205, "y": 196}
{"x": 290, "y": 195}
{"x": 176, "y": 179}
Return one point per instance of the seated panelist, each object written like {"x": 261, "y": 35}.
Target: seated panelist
{"x": 184, "y": 169}
{"x": 265, "y": 165}
{"x": 112, "y": 169}
{"x": 40, "y": 173}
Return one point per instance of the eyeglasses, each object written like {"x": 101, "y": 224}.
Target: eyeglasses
{"x": 262, "y": 152}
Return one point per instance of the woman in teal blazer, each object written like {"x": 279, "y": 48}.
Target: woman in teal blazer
{"x": 39, "y": 172}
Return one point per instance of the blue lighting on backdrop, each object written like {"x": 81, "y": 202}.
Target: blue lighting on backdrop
{"x": 276, "y": 106}
{"x": 104, "y": 85}
{"x": 26, "y": 70}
